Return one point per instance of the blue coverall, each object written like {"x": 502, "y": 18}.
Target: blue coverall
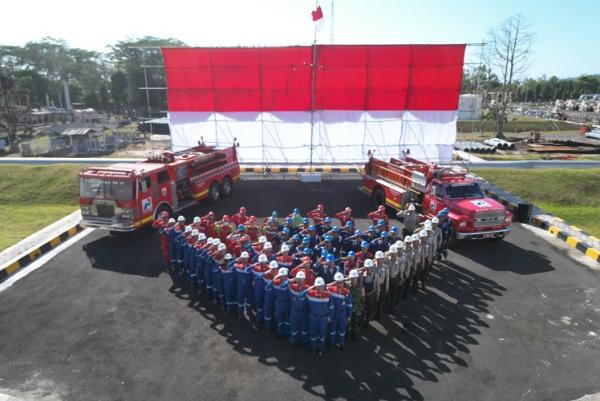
{"x": 259, "y": 290}
{"x": 282, "y": 306}
{"x": 342, "y": 311}
{"x": 243, "y": 285}
{"x": 200, "y": 256}
{"x": 172, "y": 236}
{"x": 269, "y": 301}
{"x": 320, "y": 310}
{"x": 299, "y": 314}
{"x": 228, "y": 280}
{"x": 217, "y": 287}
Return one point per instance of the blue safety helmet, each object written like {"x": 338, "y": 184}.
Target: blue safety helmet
{"x": 328, "y": 238}
{"x": 308, "y": 251}
{"x": 305, "y": 220}
{"x": 327, "y": 219}
{"x": 351, "y": 254}
{"x": 306, "y": 240}
{"x": 357, "y": 232}
{"x": 364, "y": 244}
{"x": 286, "y": 230}
{"x": 335, "y": 229}
{"x": 312, "y": 227}
{"x": 324, "y": 253}
{"x": 297, "y": 237}
{"x": 274, "y": 214}
{"x": 330, "y": 258}
{"x": 443, "y": 213}
{"x": 241, "y": 227}
{"x": 383, "y": 234}
{"x": 371, "y": 228}
{"x": 349, "y": 223}
{"x": 394, "y": 230}
{"x": 288, "y": 220}
{"x": 380, "y": 223}
{"x": 296, "y": 211}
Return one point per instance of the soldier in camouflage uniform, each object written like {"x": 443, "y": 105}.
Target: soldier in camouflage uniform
{"x": 358, "y": 303}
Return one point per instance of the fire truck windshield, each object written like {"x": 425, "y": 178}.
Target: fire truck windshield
{"x": 461, "y": 191}
{"x": 99, "y": 188}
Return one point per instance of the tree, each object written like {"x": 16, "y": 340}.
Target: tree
{"x": 118, "y": 90}
{"x": 509, "y": 53}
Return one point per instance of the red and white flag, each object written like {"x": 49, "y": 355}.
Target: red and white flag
{"x": 317, "y": 17}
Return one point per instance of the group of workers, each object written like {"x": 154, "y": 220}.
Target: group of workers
{"x": 305, "y": 277}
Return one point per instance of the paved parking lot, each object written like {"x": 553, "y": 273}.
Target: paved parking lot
{"x": 512, "y": 320}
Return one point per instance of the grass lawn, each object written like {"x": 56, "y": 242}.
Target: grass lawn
{"x": 571, "y": 194}
{"x": 31, "y": 197}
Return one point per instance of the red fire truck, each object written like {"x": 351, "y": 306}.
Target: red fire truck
{"x": 432, "y": 187}
{"x": 127, "y": 196}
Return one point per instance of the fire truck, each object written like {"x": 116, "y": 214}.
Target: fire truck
{"x": 127, "y": 196}
{"x": 432, "y": 188}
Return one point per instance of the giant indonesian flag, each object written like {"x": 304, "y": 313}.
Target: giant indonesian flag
{"x": 382, "y": 97}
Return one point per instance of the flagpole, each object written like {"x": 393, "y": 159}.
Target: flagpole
{"x": 312, "y": 94}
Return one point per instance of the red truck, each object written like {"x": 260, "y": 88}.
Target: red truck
{"x": 127, "y": 196}
{"x": 399, "y": 182}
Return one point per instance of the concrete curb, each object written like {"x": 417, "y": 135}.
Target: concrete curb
{"x": 528, "y": 213}
{"x": 34, "y": 253}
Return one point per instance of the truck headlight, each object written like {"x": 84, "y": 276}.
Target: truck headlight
{"x": 462, "y": 224}
{"x": 86, "y": 209}
{"x": 127, "y": 214}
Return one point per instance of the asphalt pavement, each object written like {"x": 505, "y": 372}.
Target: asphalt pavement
{"x": 509, "y": 320}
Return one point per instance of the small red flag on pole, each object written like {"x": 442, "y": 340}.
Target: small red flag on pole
{"x": 317, "y": 14}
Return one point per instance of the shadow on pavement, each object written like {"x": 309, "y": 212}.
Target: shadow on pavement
{"x": 422, "y": 341}
{"x": 504, "y": 256}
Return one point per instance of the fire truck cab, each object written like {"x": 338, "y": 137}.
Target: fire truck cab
{"x": 127, "y": 196}
{"x": 433, "y": 188}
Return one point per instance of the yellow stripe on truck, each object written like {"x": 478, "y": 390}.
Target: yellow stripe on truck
{"x": 200, "y": 194}
{"x": 393, "y": 203}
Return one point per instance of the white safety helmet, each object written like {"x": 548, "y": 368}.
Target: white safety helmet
{"x": 268, "y": 245}
{"x": 411, "y": 208}
{"x": 228, "y": 256}
{"x": 354, "y": 273}
{"x": 216, "y": 241}
{"x": 262, "y": 239}
{"x": 399, "y": 245}
{"x": 408, "y": 239}
{"x": 262, "y": 258}
{"x": 244, "y": 255}
{"x": 194, "y": 233}
{"x": 435, "y": 220}
{"x": 188, "y": 229}
{"x": 423, "y": 234}
{"x": 393, "y": 248}
{"x": 415, "y": 237}
{"x": 379, "y": 255}
{"x": 338, "y": 276}
{"x": 283, "y": 271}
{"x": 301, "y": 275}
{"x": 201, "y": 236}
{"x": 273, "y": 265}
{"x": 319, "y": 282}
{"x": 196, "y": 219}
{"x": 222, "y": 247}
{"x": 171, "y": 220}
{"x": 368, "y": 263}
{"x": 285, "y": 248}
{"x": 181, "y": 218}
{"x": 210, "y": 241}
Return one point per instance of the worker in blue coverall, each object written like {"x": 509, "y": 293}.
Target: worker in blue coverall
{"x": 447, "y": 232}
{"x": 243, "y": 283}
{"x": 320, "y": 313}
{"x": 299, "y": 309}
{"x": 208, "y": 273}
{"x": 181, "y": 245}
{"x": 217, "y": 260}
{"x": 188, "y": 252}
{"x": 282, "y": 302}
{"x": 201, "y": 255}
{"x": 258, "y": 270}
{"x": 228, "y": 283}
{"x": 342, "y": 311}
{"x": 269, "y": 297}
{"x": 173, "y": 238}
{"x": 193, "y": 259}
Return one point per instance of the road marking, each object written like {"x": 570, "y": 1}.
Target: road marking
{"x": 42, "y": 260}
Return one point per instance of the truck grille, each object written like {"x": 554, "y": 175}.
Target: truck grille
{"x": 491, "y": 218}
{"x": 105, "y": 210}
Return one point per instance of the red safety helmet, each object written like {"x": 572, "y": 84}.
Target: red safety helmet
{"x": 321, "y": 207}
{"x": 244, "y": 238}
{"x": 242, "y": 210}
{"x": 252, "y": 218}
{"x": 211, "y": 214}
{"x": 381, "y": 208}
{"x": 226, "y": 218}
{"x": 348, "y": 210}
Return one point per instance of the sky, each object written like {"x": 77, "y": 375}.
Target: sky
{"x": 566, "y": 42}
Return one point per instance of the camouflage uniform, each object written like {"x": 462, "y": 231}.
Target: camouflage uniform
{"x": 358, "y": 308}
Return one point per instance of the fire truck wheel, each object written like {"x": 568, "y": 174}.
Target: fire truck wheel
{"x": 379, "y": 197}
{"x": 214, "y": 192}
{"x": 226, "y": 186}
